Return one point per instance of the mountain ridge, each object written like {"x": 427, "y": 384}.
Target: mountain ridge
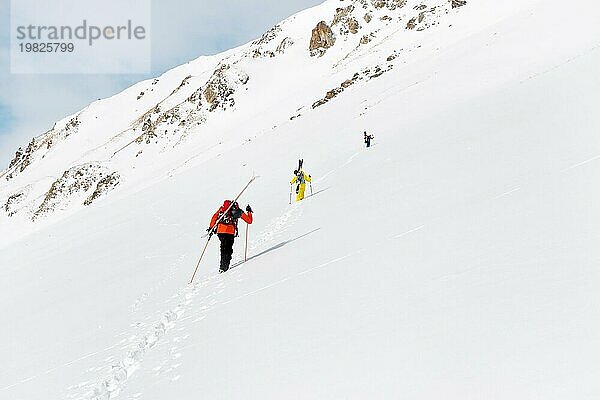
{"x": 189, "y": 94}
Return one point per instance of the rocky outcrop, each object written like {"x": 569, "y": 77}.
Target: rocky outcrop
{"x": 257, "y": 53}
{"x": 342, "y": 14}
{"x": 458, "y": 3}
{"x": 38, "y": 147}
{"x": 336, "y": 91}
{"x": 148, "y": 127}
{"x": 183, "y": 83}
{"x": 389, "y": 4}
{"x": 17, "y": 158}
{"x": 104, "y": 186}
{"x": 220, "y": 87}
{"x": 346, "y": 22}
{"x": 216, "y": 93}
{"x": 260, "y": 49}
{"x": 284, "y": 45}
{"x": 12, "y": 203}
{"x": 267, "y": 37}
{"x": 216, "y": 88}
{"x": 22, "y": 159}
{"x": 75, "y": 181}
{"x": 366, "y": 74}
{"x": 353, "y": 25}
{"x": 426, "y": 17}
{"x": 321, "y": 40}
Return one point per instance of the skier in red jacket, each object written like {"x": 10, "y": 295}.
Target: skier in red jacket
{"x": 226, "y": 228}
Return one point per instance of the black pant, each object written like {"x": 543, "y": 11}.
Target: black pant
{"x": 226, "y": 249}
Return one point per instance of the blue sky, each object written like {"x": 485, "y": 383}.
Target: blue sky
{"x": 181, "y": 30}
{"x": 5, "y": 117}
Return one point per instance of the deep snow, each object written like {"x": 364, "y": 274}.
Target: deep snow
{"x": 456, "y": 259}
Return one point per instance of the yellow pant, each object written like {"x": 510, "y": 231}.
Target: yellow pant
{"x": 300, "y": 192}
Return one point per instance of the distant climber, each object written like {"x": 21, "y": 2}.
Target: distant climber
{"x": 368, "y": 139}
{"x": 300, "y": 178}
{"x": 227, "y": 230}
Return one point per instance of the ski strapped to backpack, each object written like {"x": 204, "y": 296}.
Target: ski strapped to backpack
{"x": 226, "y": 212}
{"x": 299, "y": 175}
{"x": 300, "y": 178}
{"x": 231, "y": 218}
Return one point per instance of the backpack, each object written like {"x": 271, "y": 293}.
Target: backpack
{"x": 231, "y": 217}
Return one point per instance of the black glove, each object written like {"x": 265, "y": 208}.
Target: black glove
{"x": 211, "y": 231}
{"x": 248, "y": 208}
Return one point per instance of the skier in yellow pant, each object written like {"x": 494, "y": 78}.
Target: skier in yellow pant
{"x": 300, "y": 179}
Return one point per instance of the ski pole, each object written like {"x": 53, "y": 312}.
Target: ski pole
{"x": 246, "y": 251}
{"x": 202, "y": 255}
{"x": 290, "y": 194}
{"x": 311, "y": 192}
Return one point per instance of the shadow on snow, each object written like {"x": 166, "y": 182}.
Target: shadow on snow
{"x": 276, "y": 247}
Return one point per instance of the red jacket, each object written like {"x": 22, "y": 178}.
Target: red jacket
{"x": 228, "y": 228}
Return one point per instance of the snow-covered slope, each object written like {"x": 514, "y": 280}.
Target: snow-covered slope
{"x": 457, "y": 258}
